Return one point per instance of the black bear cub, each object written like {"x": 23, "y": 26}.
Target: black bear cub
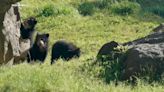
{"x": 107, "y": 51}
{"x": 64, "y": 50}
{"x": 27, "y": 28}
{"x": 39, "y": 49}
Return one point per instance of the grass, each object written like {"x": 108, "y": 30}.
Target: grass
{"x": 87, "y": 32}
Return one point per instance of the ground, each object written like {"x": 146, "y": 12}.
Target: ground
{"x": 61, "y": 19}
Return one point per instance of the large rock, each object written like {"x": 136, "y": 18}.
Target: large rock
{"x": 153, "y": 38}
{"x": 10, "y": 34}
{"x": 142, "y": 58}
{"x": 145, "y": 55}
{"x": 159, "y": 28}
{"x": 5, "y": 6}
{"x": 24, "y": 48}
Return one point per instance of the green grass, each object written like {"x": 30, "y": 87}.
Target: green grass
{"x": 87, "y": 32}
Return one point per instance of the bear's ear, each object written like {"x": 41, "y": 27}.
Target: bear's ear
{"x": 47, "y": 35}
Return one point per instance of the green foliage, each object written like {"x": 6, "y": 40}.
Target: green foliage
{"x": 112, "y": 71}
{"x": 86, "y": 8}
{"x": 53, "y": 10}
{"x": 153, "y": 6}
{"x": 157, "y": 10}
{"x": 113, "y": 64}
{"x": 48, "y": 10}
{"x": 125, "y": 8}
{"x": 107, "y": 3}
{"x": 63, "y": 21}
{"x": 101, "y": 4}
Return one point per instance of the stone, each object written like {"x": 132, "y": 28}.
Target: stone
{"x": 159, "y": 28}
{"x": 13, "y": 48}
{"x": 10, "y": 31}
{"x": 144, "y": 57}
{"x": 145, "y": 54}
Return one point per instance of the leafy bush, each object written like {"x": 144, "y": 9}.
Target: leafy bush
{"x": 157, "y": 10}
{"x": 52, "y": 10}
{"x": 125, "y": 8}
{"x": 86, "y": 8}
{"x": 110, "y": 69}
{"x": 101, "y": 4}
{"x": 152, "y": 6}
{"x": 48, "y": 10}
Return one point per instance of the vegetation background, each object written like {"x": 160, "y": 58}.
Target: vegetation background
{"x": 89, "y": 24}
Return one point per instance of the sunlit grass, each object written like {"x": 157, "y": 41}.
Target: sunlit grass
{"x": 87, "y": 32}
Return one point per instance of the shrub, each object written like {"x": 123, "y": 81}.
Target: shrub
{"x": 113, "y": 68}
{"x": 48, "y": 10}
{"x": 101, "y": 4}
{"x": 125, "y": 8}
{"x": 54, "y": 10}
{"x": 158, "y": 11}
{"x": 86, "y": 8}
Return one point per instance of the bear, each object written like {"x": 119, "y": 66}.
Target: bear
{"x": 64, "y": 50}
{"x": 106, "y": 51}
{"x": 25, "y": 40}
{"x": 39, "y": 49}
{"x": 27, "y": 28}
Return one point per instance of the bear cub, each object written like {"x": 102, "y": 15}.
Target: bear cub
{"x": 27, "y": 28}
{"x": 64, "y": 50}
{"x": 107, "y": 50}
{"x": 39, "y": 49}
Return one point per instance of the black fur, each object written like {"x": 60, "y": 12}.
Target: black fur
{"x": 39, "y": 49}
{"x": 64, "y": 50}
{"x": 27, "y": 28}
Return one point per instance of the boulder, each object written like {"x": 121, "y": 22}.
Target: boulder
{"x": 10, "y": 31}
{"x": 145, "y": 56}
{"x": 24, "y": 48}
{"x": 159, "y": 28}
{"x": 153, "y": 38}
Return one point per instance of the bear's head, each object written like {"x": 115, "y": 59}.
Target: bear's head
{"x": 30, "y": 23}
{"x": 42, "y": 41}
